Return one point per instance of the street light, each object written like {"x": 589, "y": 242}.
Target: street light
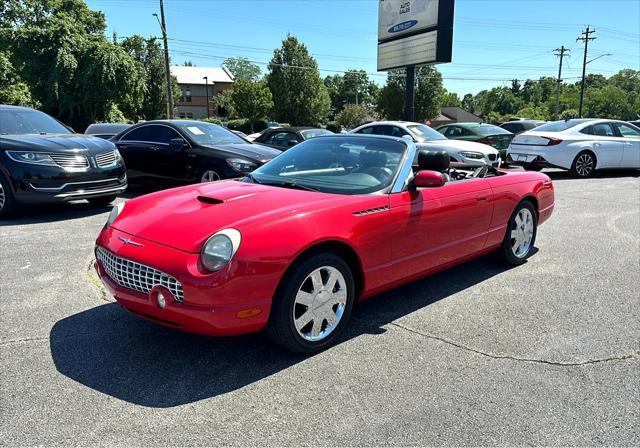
{"x": 601, "y": 56}
{"x": 206, "y": 89}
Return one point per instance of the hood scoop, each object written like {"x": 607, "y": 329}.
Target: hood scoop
{"x": 209, "y": 200}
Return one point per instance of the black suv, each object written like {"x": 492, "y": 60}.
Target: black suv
{"x": 41, "y": 160}
{"x": 188, "y": 151}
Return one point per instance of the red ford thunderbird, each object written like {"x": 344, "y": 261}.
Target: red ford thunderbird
{"x": 291, "y": 247}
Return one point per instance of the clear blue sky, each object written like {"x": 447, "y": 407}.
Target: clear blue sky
{"x": 494, "y": 40}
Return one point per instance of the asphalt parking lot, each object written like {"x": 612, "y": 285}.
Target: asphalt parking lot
{"x": 547, "y": 353}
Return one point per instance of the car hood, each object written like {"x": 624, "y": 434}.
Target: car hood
{"x": 185, "y": 217}
{"x": 458, "y": 145}
{"x": 253, "y": 151}
{"x": 64, "y": 143}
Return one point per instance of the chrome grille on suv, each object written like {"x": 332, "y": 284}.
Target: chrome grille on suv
{"x": 70, "y": 161}
{"x": 106, "y": 159}
{"x": 136, "y": 276}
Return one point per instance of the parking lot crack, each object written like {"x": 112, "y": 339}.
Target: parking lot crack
{"x": 620, "y": 357}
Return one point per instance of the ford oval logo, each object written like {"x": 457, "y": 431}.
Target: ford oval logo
{"x": 402, "y": 26}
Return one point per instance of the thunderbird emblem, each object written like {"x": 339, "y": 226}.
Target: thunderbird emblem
{"x": 130, "y": 241}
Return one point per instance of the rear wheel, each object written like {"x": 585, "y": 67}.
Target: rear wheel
{"x": 102, "y": 201}
{"x": 313, "y": 304}
{"x": 520, "y": 236}
{"x": 583, "y": 165}
{"x": 7, "y": 202}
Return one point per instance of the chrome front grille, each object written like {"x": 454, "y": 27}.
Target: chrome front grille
{"x": 106, "y": 159}
{"x": 70, "y": 161}
{"x": 136, "y": 276}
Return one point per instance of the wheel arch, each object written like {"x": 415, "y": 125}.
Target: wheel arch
{"x": 589, "y": 150}
{"x": 334, "y": 246}
{"x": 534, "y": 201}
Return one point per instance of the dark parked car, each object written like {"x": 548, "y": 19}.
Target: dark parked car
{"x": 106, "y": 130}
{"x": 42, "y": 161}
{"x": 519, "y": 126}
{"x": 187, "y": 150}
{"x": 488, "y": 134}
{"x": 285, "y": 138}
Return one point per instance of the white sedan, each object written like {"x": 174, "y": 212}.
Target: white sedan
{"x": 580, "y": 145}
{"x": 460, "y": 151}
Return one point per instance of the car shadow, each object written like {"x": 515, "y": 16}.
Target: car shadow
{"x": 44, "y": 213}
{"x": 108, "y": 350}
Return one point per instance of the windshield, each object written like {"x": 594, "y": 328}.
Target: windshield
{"x": 209, "y": 134}
{"x": 311, "y": 133}
{"x": 489, "y": 129}
{"x": 424, "y": 132}
{"x": 25, "y": 121}
{"x": 559, "y": 126}
{"x": 342, "y": 165}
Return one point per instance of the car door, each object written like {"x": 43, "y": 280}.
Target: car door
{"x": 164, "y": 161}
{"x": 134, "y": 146}
{"x": 436, "y": 226}
{"x": 631, "y": 145}
{"x": 606, "y": 144}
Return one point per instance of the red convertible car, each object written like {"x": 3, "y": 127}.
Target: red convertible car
{"x": 291, "y": 247}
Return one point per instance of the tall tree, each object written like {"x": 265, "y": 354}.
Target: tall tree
{"x": 242, "y": 68}
{"x": 251, "y": 99}
{"x": 299, "y": 95}
{"x": 429, "y": 94}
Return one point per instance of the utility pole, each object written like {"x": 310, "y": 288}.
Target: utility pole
{"x": 409, "y": 97}
{"x": 560, "y": 53}
{"x": 163, "y": 25}
{"x": 586, "y": 38}
{"x": 206, "y": 88}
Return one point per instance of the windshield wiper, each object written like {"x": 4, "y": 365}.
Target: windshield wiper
{"x": 253, "y": 179}
{"x": 292, "y": 184}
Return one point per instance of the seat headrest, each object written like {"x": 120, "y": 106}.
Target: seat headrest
{"x": 373, "y": 158}
{"x": 434, "y": 161}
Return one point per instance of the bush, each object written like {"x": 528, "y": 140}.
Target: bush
{"x": 244, "y": 125}
{"x": 333, "y": 126}
{"x": 213, "y": 120}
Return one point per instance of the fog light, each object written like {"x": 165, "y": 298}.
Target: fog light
{"x": 162, "y": 302}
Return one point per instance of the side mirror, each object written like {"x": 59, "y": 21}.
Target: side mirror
{"x": 176, "y": 144}
{"x": 291, "y": 143}
{"x": 408, "y": 137}
{"x": 427, "y": 179}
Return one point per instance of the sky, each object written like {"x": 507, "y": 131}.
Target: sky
{"x": 495, "y": 41}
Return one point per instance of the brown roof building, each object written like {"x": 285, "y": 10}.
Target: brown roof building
{"x": 193, "y": 102}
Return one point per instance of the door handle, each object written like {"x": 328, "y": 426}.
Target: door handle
{"x": 596, "y": 144}
{"x": 481, "y": 198}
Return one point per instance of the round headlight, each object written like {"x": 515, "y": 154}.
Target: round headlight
{"x": 115, "y": 211}
{"x": 219, "y": 249}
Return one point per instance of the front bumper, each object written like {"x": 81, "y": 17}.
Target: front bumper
{"x": 43, "y": 184}
{"x": 211, "y": 302}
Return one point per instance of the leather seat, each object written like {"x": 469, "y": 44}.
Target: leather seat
{"x": 374, "y": 163}
{"x": 434, "y": 161}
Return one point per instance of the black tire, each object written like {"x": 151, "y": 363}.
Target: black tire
{"x": 281, "y": 327}
{"x": 102, "y": 201}
{"x": 8, "y": 205}
{"x": 506, "y": 251}
{"x": 210, "y": 169}
{"x": 531, "y": 167}
{"x": 583, "y": 165}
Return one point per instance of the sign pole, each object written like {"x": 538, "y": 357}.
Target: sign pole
{"x": 409, "y": 94}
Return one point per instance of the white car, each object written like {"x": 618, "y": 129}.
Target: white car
{"x": 460, "y": 151}
{"x": 580, "y": 145}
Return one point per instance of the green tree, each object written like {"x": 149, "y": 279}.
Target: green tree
{"x": 252, "y": 100}
{"x": 429, "y": 94}
{"x": 354, "y": 115}
{"x": 242, "y": 68}
{"x": 354, "y": 87}
{"x": 59, "y": 49}
{"x": 451, "y": 99}
{"x": 224, "y": 101}
{"x": 299, "y": 95}
{"x": 12, "y": 89}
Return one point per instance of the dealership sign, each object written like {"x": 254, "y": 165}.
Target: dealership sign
{"x": 414, "y": 32}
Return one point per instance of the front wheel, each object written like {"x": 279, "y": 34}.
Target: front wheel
{"x": 7, "y": 202}
{"x": 584, "y": 165}
{"x": 313, "y": 304}
{"x": 210, "y": 175}
{"x": 520, "y": 236}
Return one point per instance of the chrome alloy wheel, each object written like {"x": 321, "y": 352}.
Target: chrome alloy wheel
{"x": 209, "y": 176}
{"x": 3, "y": 198}
{"x": 584, "y": 164}
{"x": 320, "y": 303}
{"x": 522, "y": 233}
